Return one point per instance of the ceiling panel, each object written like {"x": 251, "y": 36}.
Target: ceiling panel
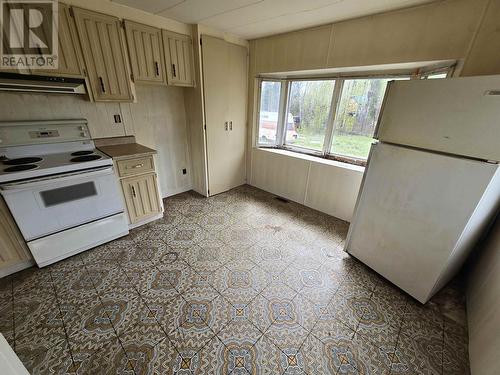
{"x": 256, "y": 18}
{"x": 151, "y": 6}
{"x": 195, "y": 11}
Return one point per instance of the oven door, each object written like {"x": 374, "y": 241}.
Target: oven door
{"x": 51, "y": 204}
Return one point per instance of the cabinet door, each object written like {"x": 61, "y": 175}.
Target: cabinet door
{"x": 179, "y": 59}
{"x": 104, "y": 54}
{"x": 13, "y": 249}
{"x": 141, "y": 197}
{"x": 146, "y": 52}
{"x": 69, "y": 50}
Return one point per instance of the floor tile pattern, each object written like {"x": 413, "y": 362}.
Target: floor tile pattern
{"x": 239, "y": 283}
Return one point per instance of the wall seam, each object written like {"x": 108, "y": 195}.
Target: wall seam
{"x": 476, "y": 33}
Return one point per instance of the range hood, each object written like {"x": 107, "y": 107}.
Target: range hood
{"x": 45, "y": 84}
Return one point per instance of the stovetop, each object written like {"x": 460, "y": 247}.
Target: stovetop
{"x": 33, "y": 166}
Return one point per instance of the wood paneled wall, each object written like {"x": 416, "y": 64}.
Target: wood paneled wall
{"x": 437, "y": 31}
{"x": 483, "y": 306}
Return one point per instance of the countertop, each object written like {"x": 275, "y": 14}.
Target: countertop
{"x": 126, "y": 150}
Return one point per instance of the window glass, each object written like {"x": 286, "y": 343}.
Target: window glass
{"x": 437, "y": 76}
{"x": 357, "y": 115}
{"x": 309, "y": 105}
{"x": 269, "y": 112}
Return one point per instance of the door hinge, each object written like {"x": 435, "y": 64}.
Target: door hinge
{"x": 132, "y": 77}
{"x": 201, "y": 43}
{"x": 122, "y": 23}
{"x": 71, "y": 12}
{"x": 205, "y": 126}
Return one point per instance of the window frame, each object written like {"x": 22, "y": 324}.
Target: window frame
{"x": 334, "y": 106}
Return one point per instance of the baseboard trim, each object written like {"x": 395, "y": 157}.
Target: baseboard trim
{"x": 16, "y": 267}
{"x": 148, "y": 220}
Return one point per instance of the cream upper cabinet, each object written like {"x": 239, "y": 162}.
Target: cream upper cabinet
{"x": 104, "y": 54}
{"x": 179, "y": 59}
{"x": 69, "y": 53}
{"x": 146, "y": 52}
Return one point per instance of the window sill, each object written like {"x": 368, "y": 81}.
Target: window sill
{"x": 312, "y": 158}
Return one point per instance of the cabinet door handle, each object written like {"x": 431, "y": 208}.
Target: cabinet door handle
{"x": 231, "y": 125}
{"x": 102, "y": 85}
{"x": 157, "y": 68}
{"x": 138, "y": 166}
{"x": 133, "y": 191}
{"x": 173, "y": 70}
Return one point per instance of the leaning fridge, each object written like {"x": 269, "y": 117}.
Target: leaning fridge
{"x": 432, "y": 182}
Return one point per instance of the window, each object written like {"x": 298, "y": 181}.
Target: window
{"x": 307, "y": 117}
{"x": 327, "y": 117}
{"x": 436, "y": 76}
{"x": 269, "y": 112}
{"x": 356, "y": 117}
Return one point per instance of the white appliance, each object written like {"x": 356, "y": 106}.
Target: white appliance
{"x": 61, "y": 191}
{"x": 432, "y": 182}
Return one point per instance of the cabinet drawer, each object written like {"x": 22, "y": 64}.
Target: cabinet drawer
{"x": 135, "y": 166}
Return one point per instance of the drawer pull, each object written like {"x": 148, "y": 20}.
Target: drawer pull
{"x": 133, "y": 192}
{"x": 138, "y": 166}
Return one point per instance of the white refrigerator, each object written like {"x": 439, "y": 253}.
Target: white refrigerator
{"x": 432, "y": 182}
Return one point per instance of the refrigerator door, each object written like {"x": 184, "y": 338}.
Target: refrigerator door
{"x": 458, "y": 116}
{"x": 413, "y": 215}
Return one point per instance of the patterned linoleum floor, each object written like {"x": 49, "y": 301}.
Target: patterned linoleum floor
{"x": 239, "y": 283}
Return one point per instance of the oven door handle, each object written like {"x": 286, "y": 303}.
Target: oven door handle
{"x": 56, "y": 179}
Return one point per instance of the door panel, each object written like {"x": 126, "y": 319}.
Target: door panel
{"x": 104, "y": 55}
{"x": 141, "y": 197}
{"x": 237, "y": 87}
{"x": 224, "y": 78}
{"x": 145, "y": 50}
{"x": 13, "y": 249}
{"x": 68, "y": 51}
{"x": 456, "y": 116}
{"x": 179, "y": 60}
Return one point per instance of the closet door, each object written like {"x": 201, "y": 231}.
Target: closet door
{"x": 237, "y": 112}
{"x": 104, "y": 53}
{"x": 224, "y": 76}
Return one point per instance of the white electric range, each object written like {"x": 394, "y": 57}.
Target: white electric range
{"x": 61, "y": 191}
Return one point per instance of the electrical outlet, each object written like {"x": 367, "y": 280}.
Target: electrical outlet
{"x": 184, "y": 170}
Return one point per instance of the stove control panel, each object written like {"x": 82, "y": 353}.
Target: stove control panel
{"x": 44, "y": 134}
{"x": 25, "y": 133}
